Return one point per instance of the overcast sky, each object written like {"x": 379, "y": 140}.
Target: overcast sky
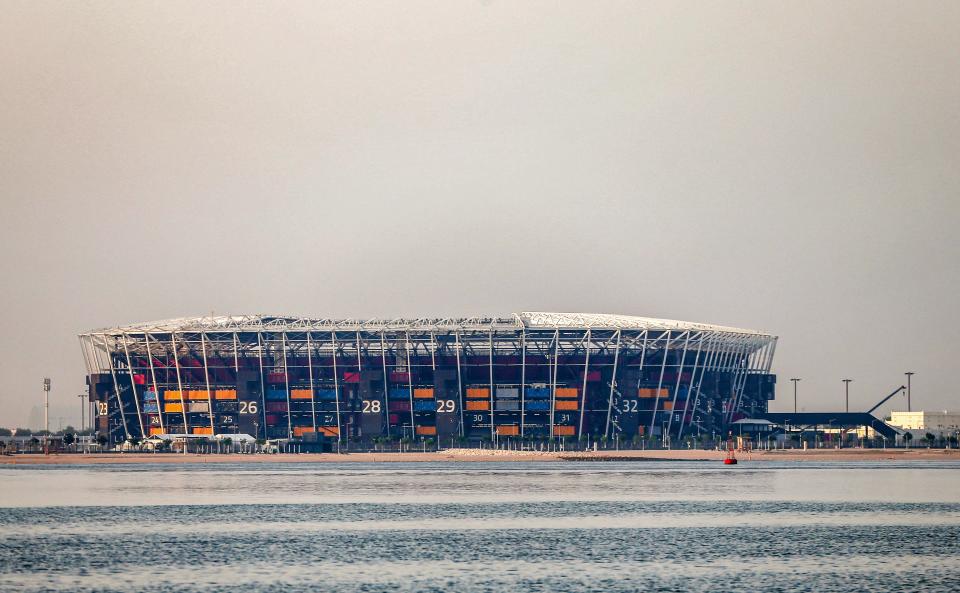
{"x": 792, "y": 167}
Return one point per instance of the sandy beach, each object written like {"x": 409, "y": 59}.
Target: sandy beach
{"x": 477, "y": 455}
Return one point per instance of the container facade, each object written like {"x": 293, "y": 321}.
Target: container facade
{"x": 530, "y": 375}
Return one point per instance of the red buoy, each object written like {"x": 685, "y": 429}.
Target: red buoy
{"x": 731, "y": 459}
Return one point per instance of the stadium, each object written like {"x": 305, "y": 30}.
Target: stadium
{"x": 531, "y": 375}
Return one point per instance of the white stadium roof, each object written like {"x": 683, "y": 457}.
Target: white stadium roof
{"x": 528, "y": 319}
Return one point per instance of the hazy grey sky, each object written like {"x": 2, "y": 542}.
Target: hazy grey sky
{"x": 792, "y": 167}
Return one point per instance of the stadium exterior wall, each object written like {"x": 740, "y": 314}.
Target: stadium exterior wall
{"x": 530, "y": 375}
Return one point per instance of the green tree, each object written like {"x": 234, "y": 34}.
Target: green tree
{"x": 68, "y": 438}
{"x": 5, "y": 432}
{"x": 907, "y": 437}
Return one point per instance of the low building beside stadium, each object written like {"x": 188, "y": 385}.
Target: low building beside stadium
{"x": 529, "y": 375}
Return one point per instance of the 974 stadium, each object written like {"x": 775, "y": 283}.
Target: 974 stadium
{"x": 528, "y": 376}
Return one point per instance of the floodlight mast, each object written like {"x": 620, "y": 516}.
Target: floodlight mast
{"x": 46, "y": 415}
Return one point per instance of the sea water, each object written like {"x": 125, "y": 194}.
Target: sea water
{"x": 469, "y": 526}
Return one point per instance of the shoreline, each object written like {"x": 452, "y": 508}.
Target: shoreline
{"x": 478, "y": 455}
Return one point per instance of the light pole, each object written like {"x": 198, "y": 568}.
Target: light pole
{"x": 83, "y": 420}
{"x": 46, "y": 414}
{"x": 908, "y": 374}
{"x": 847, "y": 385}
{"x": 795, "y": 381}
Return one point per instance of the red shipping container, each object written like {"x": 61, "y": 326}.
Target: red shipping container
{"x": 394, "y": 419}
{"x": 399, "y": 406}
{"x": 273, "y": 419}
{"x": 593, "y": 376}
{"x": 396, "y": 377}
{"x": 351, "y": 377}
{"x": 276, "y": 377}
{"x": 276, "y": 406}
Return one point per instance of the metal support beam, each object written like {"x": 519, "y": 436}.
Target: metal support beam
{"x": 613, "y": 382}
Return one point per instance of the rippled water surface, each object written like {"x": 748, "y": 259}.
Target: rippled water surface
{"x": 572, "y": 526}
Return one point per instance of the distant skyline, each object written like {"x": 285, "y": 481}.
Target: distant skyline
{"x": 789, "y": 167}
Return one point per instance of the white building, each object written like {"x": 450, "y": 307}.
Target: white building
{"x": 942, "y": 423}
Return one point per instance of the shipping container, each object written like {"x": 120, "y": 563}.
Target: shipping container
{"x": 399, "y": 406}
{"x": 155, "y": 430}
{"x": 151, "y": 407}
{"x": 537, "y": 393}
{"x": 593, "y": 376}
{"x": 277, "y": 394}
{"x": 299, "y": 431}
{"x": 276, "y": 378}
{"x": 149, "y": 396}
{"x": 225, "y": 394}
{"x": 173, "y": 407}
{"x": 329, "y": 431}
{"x": 301, "y": 394}
{"x": 506, "y": 405}
{"x": 275, "y": 406}
{"x": 567, "y": 392}
{"x": 508, "y": 392}
{"x": 273, "y": 419}
{"x": 399, "y": 393}
{"x": 508, "y": 430}
{"x": 198, "y": 408}
{"x": 351, "y": 377}
{"x": 478, "y": 404}
{"x": 327, "y": 395}
{"x": 667, "y": 405}
{"x": 423, "y": 393}
{"x": 171, "y": 395}
{"x": 201, "y": 430}
{"x": 538, "y": 406}
{"x": 564, "y": 431}
{"x": 427, "y": 430}
{"x": 198, "y": 395}
{"x": 139, "y": 379}
{"x": 399, "y": 377}
{"x": 567, "y": 404}
{"x": 478, "y": 393}
{"x": 425, "y": 405}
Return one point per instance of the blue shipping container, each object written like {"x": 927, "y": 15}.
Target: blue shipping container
{"x": 277, "y": 395}
{"x": 150, "y": 396}
{"x": 421, "y": 405}
{"x": 399, "y": 393}
{"x": 148, "y": 408}
{"x": 326, "y": 395}
{"x": 538, "y": 405}
{"x": 538, "y": 392}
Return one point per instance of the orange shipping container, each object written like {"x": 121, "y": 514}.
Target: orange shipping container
{"x": 198, "y": 394}
{"x": 202, "y": 430}
{"x": 508, "y": 430}
{"x": 667, "y": 405}
{"x": 567, "y": 405}
{"x": 225, "y": 394}
{"x": 564, "y": 431}
{"x": 423, "y": 393}
{"x": 427, "y": 430}
{"x": 155, "y": 430}
{"x": 477, "y": 392}
{"x": 566, "y": 392}
{"x": 330, "y": 431}
{"x": 299, "y": 431}
{"x": 476, "y": 405}
{"x": 171, "y": 396}
{"x": 173, "y": 407}
{"x": 301, "y": 394}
